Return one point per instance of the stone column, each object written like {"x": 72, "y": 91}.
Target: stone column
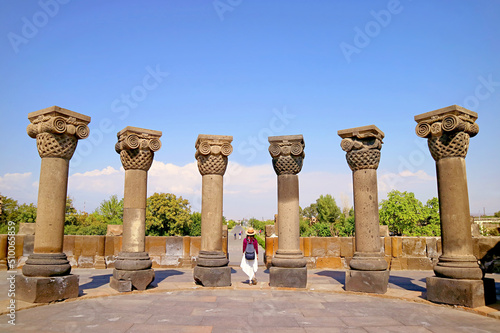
{"x": 288, "y": 266}
{"x": 46, "y": 275}
{"x": 212, "y": 268}
{"x": 368, "y": 271}
{"x": 458, "y": 277}
{"x": 136, "y": 147}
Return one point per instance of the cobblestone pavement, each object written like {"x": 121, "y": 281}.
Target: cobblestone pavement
{"x": 175, "y": 304}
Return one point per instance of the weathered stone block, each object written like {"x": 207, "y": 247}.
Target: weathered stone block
{"x": 19, "y": 246}
{"x": 212, "y": 276}
{"x": 29, "y": 241}
{"x": 399, "y": 264}
{"x": 414, "y": 247}
{"x": 329, "y": 262}
{"x": 114, "y": 230}
{"x": 26, "y": 229}
{"x": 174, "y": 246}
{"x": 397, "y": 247}
{"x": 195, "y": 246}
{"x": 346, "y": 246}
{"x": 307, "y": 247}
{"x": 387, "y": 246}
{"x": 120, "y": 285}
{"x": 270, "y": 230}
{"x": 3, "y": 252}
{"x": 156, "y": 245}
{"x": 485, "y": 246}
{"x": 432, "y": 247}
{"x": 69, "y": 245}
{"x": 384, "y": 230}
{"x": 469, "y": 293}
{"x": 367, "y": 281}
{"x": 85, "y": 261}
{"x": 140, "y": 279}
{"x": 419, "y": 263}
{"x": 318, "y": 246}
{"x": 288, "y": 277}
{"x": 333, "y": 247}
{"x": 46, "y": 289}
{"x": 99, "y": 262}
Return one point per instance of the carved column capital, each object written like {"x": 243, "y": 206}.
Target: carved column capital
{"x": 137, "y": 146}
{"x": 212, "y": 152}
{"x": 362, "y": 146}
{"x": 288, "y": 153}
{"x": 447, "y": 130}
{"x": 57, "y": 131}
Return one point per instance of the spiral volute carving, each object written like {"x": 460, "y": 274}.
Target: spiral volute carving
{"x": 362, "y": 153}
{"x": 288, "y": 156}
{"x": 57, "y": 135}
{"x": 448, "y": 134}
{"x": 211, "y": 156}
{"x": 137, "y": 149}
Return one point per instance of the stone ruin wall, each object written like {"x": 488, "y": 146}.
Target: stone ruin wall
{"x": 401, "y": 253}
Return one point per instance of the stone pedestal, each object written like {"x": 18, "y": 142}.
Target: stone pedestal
{"x": 212, "y": 268}
{"x": 469, "y": 293}
{"x": 46, "y": 274}
{"x": 136, "y": 147}
{"x": 448, "y": 131}
{"x": 374, "y": 282}
{"x": 288, "y": 264}
{"x": 46, "y": 289}
{"x": 368, "y": 267}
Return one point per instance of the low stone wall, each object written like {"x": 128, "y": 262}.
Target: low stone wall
{"x": 401, "y": 253}
{"x": 100, "y": 251}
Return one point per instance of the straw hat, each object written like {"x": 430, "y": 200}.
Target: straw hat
{"x": 250, "y": 232}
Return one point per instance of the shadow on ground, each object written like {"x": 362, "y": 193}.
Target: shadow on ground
{"x": 406, "y": 283}
{"x": 96, "y": 281}
{"x": 163, "y": 274}
{"x": 339, "y": 276}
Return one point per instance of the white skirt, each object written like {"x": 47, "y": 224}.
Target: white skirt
{"x": 249, "y": 267}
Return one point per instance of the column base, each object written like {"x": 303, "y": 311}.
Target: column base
{"x": 288, "y": 277}
{"x": 469, "y": 293}
{"x": 464, "y": 267}
{"x": 46, "y": 289}
{"x": 374, "y": 282}
{"x": 212, "y": 259}
{"x": 212, "y": 276}
{"x": 46, "y": 265}
{"x": 366, "y": 261}
{"x": 123, "y": 281}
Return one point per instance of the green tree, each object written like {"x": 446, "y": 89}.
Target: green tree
{"x": 328, "y": 211}
{"x": 406, "y": 215}
{"x": 320, "y": 229}
{"x": 195, "y": 228}
{"x": 26, "y": 213}
{"x": 310, "y": 211}
{"x": 345, "y": 225}
{"x": 497, "y": 214}
{"x": 111, "y": 210}
{"x": 167, "y": 215}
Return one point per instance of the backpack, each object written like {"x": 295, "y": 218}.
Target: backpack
{"x": 250, "y": 252}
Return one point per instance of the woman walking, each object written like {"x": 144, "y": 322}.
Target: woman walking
{"x": 249, "y": 262}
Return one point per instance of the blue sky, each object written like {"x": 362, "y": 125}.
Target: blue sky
{"x": 249, "y": 69}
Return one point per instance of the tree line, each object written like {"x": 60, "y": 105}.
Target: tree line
{"x": 166, "y": 215}
{"x": 169, "y": 215}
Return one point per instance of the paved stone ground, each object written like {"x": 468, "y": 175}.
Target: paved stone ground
{"x": 176, "y": 304}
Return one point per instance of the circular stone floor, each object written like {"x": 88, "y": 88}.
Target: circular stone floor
{"x": 227, "y": 310}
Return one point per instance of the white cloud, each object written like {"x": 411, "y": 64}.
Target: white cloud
{"x": 19, "y": 186}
